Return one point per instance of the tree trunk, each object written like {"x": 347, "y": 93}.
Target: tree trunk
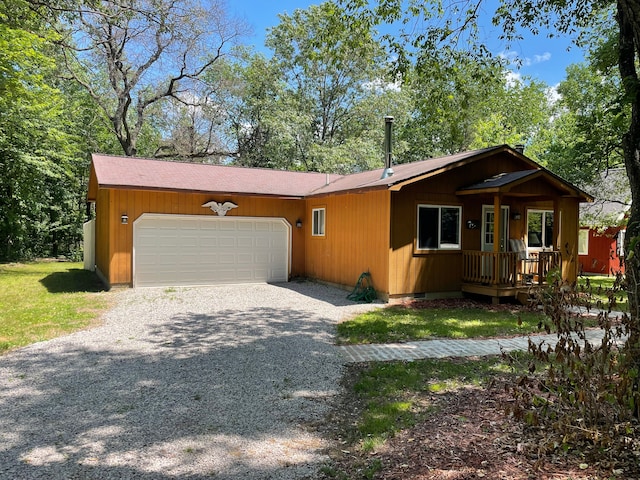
{"x": 629, "y": 42}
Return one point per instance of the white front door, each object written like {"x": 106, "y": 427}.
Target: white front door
{"x": 488, "y": 236}
{"x": 488, "y": 222}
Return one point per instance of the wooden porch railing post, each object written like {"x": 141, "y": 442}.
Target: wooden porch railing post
{"x": 502, "y": 268}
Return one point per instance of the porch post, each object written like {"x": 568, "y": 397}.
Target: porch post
{"x": 497, "y": 219}
{"x": 497, "y": 228}
{"x": 556, "y": 225}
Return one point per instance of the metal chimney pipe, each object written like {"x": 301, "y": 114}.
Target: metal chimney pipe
{"x": 388, "y": 128}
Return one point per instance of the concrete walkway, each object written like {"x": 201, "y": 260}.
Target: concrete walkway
{"x": 448, "y": 348}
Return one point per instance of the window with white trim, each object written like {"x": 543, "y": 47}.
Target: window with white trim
{"x": 620, "y": 243}
{"x": 539, "y": 229}
{"x": 439, "y": 227}
{"x": 583, "y": 242}
{"x": 318, "y": 218}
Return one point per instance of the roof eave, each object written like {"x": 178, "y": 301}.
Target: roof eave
{"x": 354, "y": 190}
{"x": 204, "y": 192}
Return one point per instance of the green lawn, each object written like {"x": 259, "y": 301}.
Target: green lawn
{"x": 400, "y": 324}
{"x": 390, "y": 393}
{"x": 602, "y": 288}
{"x": 42, "y": 300}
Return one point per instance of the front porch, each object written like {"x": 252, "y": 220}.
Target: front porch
{"x": 506, "y": 274}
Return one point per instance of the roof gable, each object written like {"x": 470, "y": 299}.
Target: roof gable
{"x": 404, "y": 173}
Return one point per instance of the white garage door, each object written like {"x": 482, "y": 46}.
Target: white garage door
{"x": 204, "y": 250}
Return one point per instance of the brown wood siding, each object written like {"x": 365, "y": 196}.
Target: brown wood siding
{"x": 437, "y": 271}
{"x": 92, "y": 191}
{"x": 104, "y": 238}
{"x": 412, "y": 272}
{"x": 115, "y": 256}
{"x": 356, "y": 239}
{"x": 475, "y": 172}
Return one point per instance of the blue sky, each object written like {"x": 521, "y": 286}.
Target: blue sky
{"x": 543, "y": 58}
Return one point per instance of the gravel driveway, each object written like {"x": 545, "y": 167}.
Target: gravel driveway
{"x": 219, "y": 382}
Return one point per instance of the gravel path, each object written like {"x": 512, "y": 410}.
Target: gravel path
{"x": 220, "y": 382}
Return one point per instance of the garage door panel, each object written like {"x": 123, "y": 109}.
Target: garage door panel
{"x": 204, "y": 250}
{"x": 228, "y": 226}
{"x": 245, "y": 242}
{"x": 226, "y": 242}
{"x": 246, "y": 226}
{"x": 245, "y": 258}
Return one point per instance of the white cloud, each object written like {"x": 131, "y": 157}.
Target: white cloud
{"x": 545, "y": 57}
{"x": 382, "y": 85}
{"x": 552, "y": 95}
{"x": 513, "y": 58}
{"x": 510, "y": 56}
{"x": 512, "y": 78}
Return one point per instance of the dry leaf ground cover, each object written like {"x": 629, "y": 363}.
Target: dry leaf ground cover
{"x": 456, "y": 432}
{"x": 444, "y": 419}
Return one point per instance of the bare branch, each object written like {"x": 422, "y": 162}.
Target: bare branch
{"x": 121, "y": 50}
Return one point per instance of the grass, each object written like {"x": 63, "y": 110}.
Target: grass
{"x": 43, "y": 300}
{"x": 602, "y": 287}
{"x": 389, "y": 392}
{"x": 400, "y": 324}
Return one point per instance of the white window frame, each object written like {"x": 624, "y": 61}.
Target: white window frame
{"x": 543, "y": 240}
{"x": 620, "y": 242}
{"x": 318, "y": 222}
{"x": 583, "y": 241}
{"x": 441, "y": 245}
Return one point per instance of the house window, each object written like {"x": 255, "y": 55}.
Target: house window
{"x": 439, "y": 227}
{"x": 620, "y": 243}
{"x": 540, "y": 229}
{"x": 318, "y": 222}
{"x": 583, "y": 242}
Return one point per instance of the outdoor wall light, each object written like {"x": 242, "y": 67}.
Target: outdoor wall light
{"x": 124, "y": 219}
{"x": 516, "y": 216}
{"x": 299, "y": 223}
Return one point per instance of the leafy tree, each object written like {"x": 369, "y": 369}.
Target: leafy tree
{"x": 331, "y": 68}
{"x": 593, "y": 116}
{"x": 517, "y": 113}
{"x": 623, "y": 51}
{"x": 583, "y": 375}
{"x": 34, "y": 146}
{"x": 467, "y": 104}
{"x": 258, "y": 123}
{"x": 135, "y": 55}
